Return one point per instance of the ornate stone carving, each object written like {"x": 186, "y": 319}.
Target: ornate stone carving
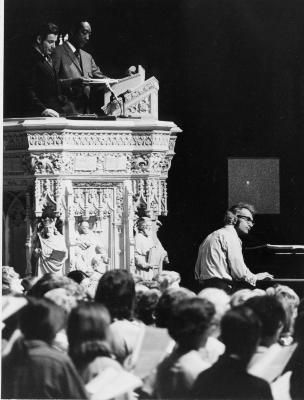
{"x": 141, "y": 107}
{"x": 102, "y": 171}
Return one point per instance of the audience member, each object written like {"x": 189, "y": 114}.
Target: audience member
{"x": 188, "y": 326}
{"x": 34, "y": 369}
{"x": 228, "y": 378}
{"x": 269, "y": 352}
{"x": 238, "y": 298}
{"x": 116, "y": 291}
{"x": 89, "y": 340}
{"x": 296, "y": 364}
{"x": 52, "y": 281}
{"x": 214, "y": 347}
{"x": 167, "y": 302}
{"x": 167, "y": 279}
{"x": 11, "y": 282}
{"x": 146, "y": 303}
{"x": 290, "y": 301}
{"x": 77, "y": 275}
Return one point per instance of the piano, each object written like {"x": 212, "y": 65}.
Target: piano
{"x": 284, "y": 262}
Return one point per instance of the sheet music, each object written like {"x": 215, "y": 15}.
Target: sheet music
{"x": 102, "y": 81}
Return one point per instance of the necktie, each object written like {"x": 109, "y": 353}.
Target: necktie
{"x": 49, "y": 60}
{"x": 77, "y": 54}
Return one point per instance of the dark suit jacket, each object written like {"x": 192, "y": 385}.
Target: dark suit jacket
{"x": 68, "y": 67}
{"x": 42, "y": 86}
{"x": 227, "y": 379}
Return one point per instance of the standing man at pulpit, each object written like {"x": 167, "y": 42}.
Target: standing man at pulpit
{"x": 220, "y": 261}
{"x": 75, "y": 67}
{"x": 43, "y": 96}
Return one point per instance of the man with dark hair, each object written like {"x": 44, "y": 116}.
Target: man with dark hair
{"x": 220, "y": 261}
{"x": 273, "y": 317}
{"x": 189, "y": 326}
{"x": 116, "y": 290}
{"x": 227, "y": 378}
{"x": 43, "y": 96}
{"x": 75, "y": 67}
{"x": 34, "y": 369}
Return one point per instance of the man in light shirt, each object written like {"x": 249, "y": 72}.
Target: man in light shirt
{"x": 220, "y": 261}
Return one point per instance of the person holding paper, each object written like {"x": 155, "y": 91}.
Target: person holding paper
{"x": 75, "y": 67}
{"x": 50, "y": 251}
{"x": 220, "y": 261}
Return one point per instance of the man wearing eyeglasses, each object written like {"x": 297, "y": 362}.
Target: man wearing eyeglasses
{"x": 220, "y": 261}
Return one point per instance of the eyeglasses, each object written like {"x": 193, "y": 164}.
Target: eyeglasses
{"x": 247, "y": 219}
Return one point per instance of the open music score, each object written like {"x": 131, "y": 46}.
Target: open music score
{"x": 93, "y": 81}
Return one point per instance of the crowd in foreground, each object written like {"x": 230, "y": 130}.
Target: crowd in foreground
{"x": 124, "y": 338}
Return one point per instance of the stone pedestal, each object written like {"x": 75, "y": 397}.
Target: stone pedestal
{"x": 103, "y": 172}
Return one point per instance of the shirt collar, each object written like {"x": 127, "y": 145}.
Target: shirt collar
{"x": 232, "y": 229}
{"x": 39, "y": 51}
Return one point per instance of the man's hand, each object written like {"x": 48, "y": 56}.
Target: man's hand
{"x": 38, "y": 251}
{"x": 262, "y": 276}
{"x": 48, "y": 112}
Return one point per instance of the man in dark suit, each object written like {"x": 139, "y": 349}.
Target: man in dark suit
{"x": 43, "y": 96}
{"x": 75, "y": 67}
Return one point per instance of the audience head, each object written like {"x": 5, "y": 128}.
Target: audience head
{"x": 10, "y": 281}
{"x": 190, "y": 322}
{"x": 62, "y": 298}
{"x": 241, "y": 216}
{"x": 167, "y": 303}
{"x": 116, "y": 290}
{"x": 290, "y": 301}
{"x": 167, "y": 279}
{"x": 52, "y": 281}
{"x": 146, "y": 303}
{"x": 80, "y": 34}
{"x": 29, "y": 282}
{"x": 272, "y": 316}
{"x": 240, "y": 332}
{"x": 220, "y": 299}
{"x": 238, "y": 298}
{"x": 41, "y": 319}
{"x": 46, "y": 38}
{"x": 88, "y": 332}
{"x": 77, "y": 276}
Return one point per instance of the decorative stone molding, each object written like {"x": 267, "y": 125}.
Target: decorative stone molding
{"x": 100, "y": 171}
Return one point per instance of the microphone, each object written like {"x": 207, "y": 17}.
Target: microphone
{"x": 112, "y": 91}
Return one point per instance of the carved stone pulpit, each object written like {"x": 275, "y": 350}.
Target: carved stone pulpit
{"x": 99, "y": 171}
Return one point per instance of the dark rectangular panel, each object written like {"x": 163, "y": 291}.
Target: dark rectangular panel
{"x": 255, "y": 181}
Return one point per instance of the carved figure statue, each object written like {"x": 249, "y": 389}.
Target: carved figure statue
{"x": 143, "y": 245}
{"x": 159, "y": 255}
{"x": 100, "y": 261}
{"x": 85, "y": 243}
{"x": 50, "y": 251}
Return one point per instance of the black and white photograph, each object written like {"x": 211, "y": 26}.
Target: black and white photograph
{"x": 152, "y": 199}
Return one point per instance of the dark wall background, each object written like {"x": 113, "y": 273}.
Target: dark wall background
{"x": 231, "y": 76}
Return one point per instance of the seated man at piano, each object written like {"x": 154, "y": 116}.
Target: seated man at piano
{"x": 77, "y": 70}
{"x": 220, "y": 261}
